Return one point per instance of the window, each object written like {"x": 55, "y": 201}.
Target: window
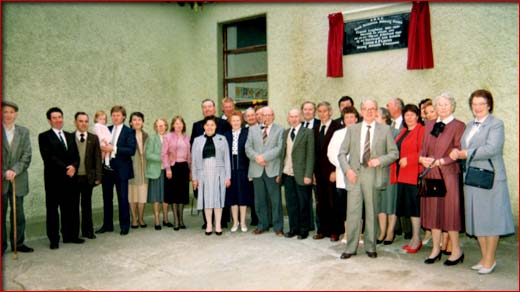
{"x": 245, "y": 62}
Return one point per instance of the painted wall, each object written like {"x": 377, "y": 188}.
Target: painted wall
{"x": 163, "y": 60}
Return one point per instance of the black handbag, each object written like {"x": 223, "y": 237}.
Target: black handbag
{"x": 479, "y": 177}
{"x": 430, "y": 187}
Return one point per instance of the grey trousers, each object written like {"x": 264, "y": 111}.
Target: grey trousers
{"x": 267, "y": 190}
{"x": 7, "y": 200}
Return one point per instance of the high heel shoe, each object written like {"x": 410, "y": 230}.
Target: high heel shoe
{"x": 476, "y": 267}
{"x": 243, "y": 227}
{"x": 452, "y": 263}
{"x": 235, "y": 228}
{"x": 414, "y": 250}
{"x": 379, "y": 241}
{"x": 433, "y": 260}
{"x": 388, "y": 242}
{"x": 209, "y": 232}
{"x": 445, "y": 252}
{"x": 484, "y": 271}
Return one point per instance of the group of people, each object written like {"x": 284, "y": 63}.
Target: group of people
{"x": 363, "y": 168}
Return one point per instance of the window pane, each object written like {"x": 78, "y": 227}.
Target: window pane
{"x": 246, "y": 64}
{"x": 247, "y": 91}
{"x": 246, "y": 33}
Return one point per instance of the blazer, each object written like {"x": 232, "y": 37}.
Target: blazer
{"x": 56, "y": 157}
{"x": 222, "y": 164}
{"x": 488, "y": 142}
{"x": 17, "y": 158}
{"x": 243, "y": 161}
{"x": 152, "y": 154}
{"x": 198, "y": 129}
{"x": 169, "y": 149}
{"x": 271, "y": 150}
{"x": 316, "y": 124}
{"x": 383, "y": 147}
{"x": 126, "y": 146}
{"x": 92, "y": 159}
{"x": 323, "y": 168}
{"x": 302, "y": 154}
{"x": 410, "y": 148}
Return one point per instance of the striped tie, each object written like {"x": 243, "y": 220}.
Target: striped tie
{"x": 366, "y": 149}
{"x": 264, "y": 134}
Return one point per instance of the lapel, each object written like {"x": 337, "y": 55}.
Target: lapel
{"x": 298, "y": 137}
{"x": 5, "y": 145}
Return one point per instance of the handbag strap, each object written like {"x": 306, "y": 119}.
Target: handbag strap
{"x": 428, "y": 170}
{"x": 473, "y": 155}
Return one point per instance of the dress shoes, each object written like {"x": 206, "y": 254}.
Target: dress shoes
{"x": 346, "y": 255}
{"x": 388, "y": 242}
{"x": 23, "y": 248}
{"x": 334, "y": 237}
{"x": 289, "y": 234}
{"x": 433, "y": 260}
{"x": 90, "y": 236}
{"x": 104, "y": 229}
{"x": 55, "y": 245}
{"x": 134, "y": 226}
{"x": 235, "y": 228}
{"x": 182, "y": 226}
{"x": 279, "y": 233}
{"x": 257, "y": 231}
{"x": 219, "y": 233}
{"x": 124, "y": 232}
{"x": 176, "y": 228}
{"x": 167, "y": 224}
{"x": 318, "y": 236}
{"x": 74, "y": 240}
{"x": 243, "y": 228}
{"x": 144, "y": 225}
{"x": 303, "y": 236}
{"x": 485, "y": 271}
{"x": 371, "y": 254}
{"x": 158, "y": 227}
{"x": 379, "y": 241}
{"x": 445, "y": 252}
{"x": 414, "y": 250}
{"x": 452, "y": 263}
{"x": 208, "y": 232}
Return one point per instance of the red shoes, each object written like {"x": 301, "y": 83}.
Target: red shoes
{"x": 412, "y": 250}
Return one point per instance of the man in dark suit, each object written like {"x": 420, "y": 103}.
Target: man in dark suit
{"x": 89, "y": 170}
{"x": 324, "y": 172}
{"x": 311, "y": 122}
{"x": 344, "y": 102}
{"x": 61, "y": 160}
{"x": 123, "y": 147}
{"x": 16, "y": 158}
{"x": 209, "y": 109}
{"x": 296, "y": 173}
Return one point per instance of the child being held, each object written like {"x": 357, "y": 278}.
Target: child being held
{"x": 104, "y": 135}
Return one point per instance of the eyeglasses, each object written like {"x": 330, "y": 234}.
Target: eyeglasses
{"x": 371, "y": 109}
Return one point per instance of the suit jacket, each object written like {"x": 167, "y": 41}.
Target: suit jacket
{"x": 169, "y": 149}
{"x": 198, "y": 128}
{"x": 126, "y": 146}
{"x": 92, "y": 159}
{"x": 152, "y": 153}
{"x": 56, "y": 157}
{"x": 17, "y": 157}
{"x": 222, "y": 163}
{"x": 271, "y": 150}
{"x": 323, "y": 168}
{"x": 489, "y": 140}
{"x": 410, "y": 148}
{"x": 243, "y": 161}
{"x": 302, "y": 154}
{"x": 383, "y": 147}
{"x": 316, "y": 124}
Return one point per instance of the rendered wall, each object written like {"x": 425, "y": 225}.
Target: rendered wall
{"x": 163, "y": 60}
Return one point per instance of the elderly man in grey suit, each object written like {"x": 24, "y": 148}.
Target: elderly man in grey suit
{"x": 371, "y": 149}
{"x": 296, "y": 174}
{"x": 16, "y": 157}
{"x": 263, "y": 148}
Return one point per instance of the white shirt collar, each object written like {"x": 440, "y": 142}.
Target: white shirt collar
{"x": 372, "y": 125}
{"x": 482, "y": 120}
{"x": 78, "y": 134}
{"x": 446, "y": 120}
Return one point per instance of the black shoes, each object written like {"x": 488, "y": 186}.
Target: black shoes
{"x": 346, "y": 255}
{"x": 23, "y": 248}
{"x": 144, "y": 225}
{"x": 445, "y": 252}
{"x": 371, "y": 254}
{"x": 219, "y": 233}
{"x": 167, "y": 224}
{"x": 209, "y": 232}
{"x": 303, "y": 236}
{"x": 452, "y": 263}
{"x": 158, "y": 227}
{"x": 55, "y": 245}
{"x": 134, "y": 226}
{"x": 182, "y": 226}
{"x": 176, "y": 228}
{"x": 289, "y": 234}
{"x": 379, "y": 241}
{"x": 74, "y": 240}
{"x": 124, "y": 232}
{"x": 104, "y": 229}
{"x": 433, "y": 260}
{"x": 89, "y": 235}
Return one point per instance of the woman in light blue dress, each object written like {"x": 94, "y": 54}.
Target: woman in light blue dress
{"x": 488, "y": 212}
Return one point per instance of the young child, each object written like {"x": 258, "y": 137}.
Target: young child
{"x": 104, "y": 135}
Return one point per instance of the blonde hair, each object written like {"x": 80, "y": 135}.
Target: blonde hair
{"x": 99, "y": 114}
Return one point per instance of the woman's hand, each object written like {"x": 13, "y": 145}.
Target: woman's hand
{"x": 169, "y": 174}
{"x": 228, "y": 183}
{"x": 403, "y": 162}
{"x": 195, "y": 184}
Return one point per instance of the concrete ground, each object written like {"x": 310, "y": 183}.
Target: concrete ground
{"x": 147, "y": 259}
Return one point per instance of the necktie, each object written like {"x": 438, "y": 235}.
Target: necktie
{"x": 293, "y": 134}
{"x": 366, "y": 148}
{"x": 60, "y": 135}
{"x": 264, "y": 134}
{"x": 306, "y": 124}
{"x": 322, "y": 134}
{"x": 114, "y": 133}
{"x": 393, "y": 124}
{"x": 476, "y": 124}
{"x": 82, "y": 137}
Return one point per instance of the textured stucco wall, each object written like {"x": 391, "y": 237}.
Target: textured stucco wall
{"x": 83, "y": 56}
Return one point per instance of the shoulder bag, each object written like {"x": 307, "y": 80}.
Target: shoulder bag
{"x": 430, "y": 187}
{"x": 479, "y": 177}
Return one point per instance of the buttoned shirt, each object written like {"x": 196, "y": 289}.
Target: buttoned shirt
{"x": 9, "y": 133}
{"x": 364, "y": 130}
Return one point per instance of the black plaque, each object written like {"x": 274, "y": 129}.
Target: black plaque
{"x": 375, "y": 34}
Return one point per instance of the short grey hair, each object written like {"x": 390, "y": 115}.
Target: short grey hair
{"x": 449, "y": 97}
{"x": 324, "y": 103}
{"x": 367, "y": 100}
{"x": 249, "y": 109}
{"x": 295, "y": 109}
{"x": 207, "y": 100}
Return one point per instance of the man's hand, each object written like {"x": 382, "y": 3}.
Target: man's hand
{"x": 332, "y": 177}
{"x": 71, "y": 170}
{"x": 10, "y": 175}
{"x": 351, "y": 176}
{"x": 307, "y": 180}
{"x": 374, "y": 162}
